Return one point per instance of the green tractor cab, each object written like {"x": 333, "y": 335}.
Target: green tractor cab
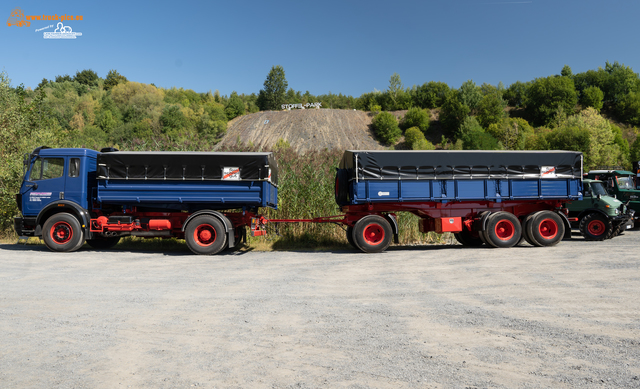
{"x": 599, "y": 216}
{"x": 620, "y": 184}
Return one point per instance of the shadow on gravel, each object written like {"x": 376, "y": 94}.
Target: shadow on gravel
{"x": 141, "y": 250}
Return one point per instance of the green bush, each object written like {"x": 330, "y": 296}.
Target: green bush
{"x": 413, "y": 135}
{"x": 415, "y": 117}
{"x": 592, "y": 97}
{"x": 385, "y": 126}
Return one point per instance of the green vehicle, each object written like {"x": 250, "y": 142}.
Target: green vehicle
{"x": 599, "y": 216}
{"x": 620, "y": 184}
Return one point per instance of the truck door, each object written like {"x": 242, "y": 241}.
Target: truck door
{"x": 46, "y": 180}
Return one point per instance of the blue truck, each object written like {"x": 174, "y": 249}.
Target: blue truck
{"x": 495, "y": 198}
{"x": 69, "y": 196}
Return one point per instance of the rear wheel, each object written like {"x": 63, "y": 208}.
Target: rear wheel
{"x": 103, "y": 243}
{"x": 205, "y": 235}
{"x": 525, "y": 230}
{"x": 545, "y": 228}
{"x": 503, "y": 229}
{"x": 595, "y": 226}
{"x": 468, "y": 238}
{"x": 62, "y": 232}
{"x": 372, "y": 234}
{"x": 350, "y": 238}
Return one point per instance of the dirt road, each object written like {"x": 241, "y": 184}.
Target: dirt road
{"x": 433, "y": 317}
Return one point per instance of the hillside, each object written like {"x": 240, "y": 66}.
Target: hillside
{"x": 308, "y": 129}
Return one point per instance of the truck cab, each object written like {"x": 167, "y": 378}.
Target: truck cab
{"x": 55, "y": 180}
{"x": 599, "y": 216}
{"x": 620, "y": 184}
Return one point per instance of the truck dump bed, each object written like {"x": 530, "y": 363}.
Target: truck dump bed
{"x": 188, "y": 180}
{"x": 443, "y": 176}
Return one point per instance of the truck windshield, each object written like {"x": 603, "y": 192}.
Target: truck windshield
{"x": 625, "y": 182}
{"x": 597, "y": 189}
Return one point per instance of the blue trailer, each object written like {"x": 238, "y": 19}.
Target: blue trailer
{"x": 495, "y": 198}
{"x": 69, "y": 196}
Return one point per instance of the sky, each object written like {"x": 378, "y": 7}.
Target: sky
{"x": 348, "y": 47}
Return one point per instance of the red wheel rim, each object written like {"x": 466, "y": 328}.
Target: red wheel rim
{"x": 596, "y": 227}
{"x": 61, "y": 232}
{"x": 548, "y": 228}
{"x": 505, "y": 229}
{"x": 373, "y": 234}
{"x": 204, "y": 235}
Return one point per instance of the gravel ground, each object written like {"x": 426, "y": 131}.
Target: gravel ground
{"x": 427, "y": 317}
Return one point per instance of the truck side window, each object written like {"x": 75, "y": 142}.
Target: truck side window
{"x": 46, "y": 168}
{"x": 74, "y": 167}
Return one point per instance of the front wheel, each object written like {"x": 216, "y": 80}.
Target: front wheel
{"x": 372, "y": 234}
{"x": 595, "y": 226}
{"x": 62, "y": 233}
{"x": 205, "y": 235}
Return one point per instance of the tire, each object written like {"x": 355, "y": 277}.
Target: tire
{"x": 372, "y": 234}
{"x": 350, "y": 238}
{"x": 103, "y": 243}
{"x": 205, "y": 235}
{"x": 239, "y": 233}
{"x": 468, "y": 238}
{"x": 525, "y": 230}
{"x": 342, "y": 187}
{"x": 545, "y": 228}
{"x": 503, "y": 229}
{"x": 595, "y": 226}
{"x": 62, "y": 233}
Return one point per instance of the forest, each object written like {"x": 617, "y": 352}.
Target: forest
{"x": 596, "y": 112}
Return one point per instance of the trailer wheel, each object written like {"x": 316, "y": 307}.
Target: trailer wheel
{"x": 103, "y": 243}
{"x": 468, "y": 238}
{"x": 205, "y": 235}
{"x": 503, "y": 229}
{"x": 595, "y": 226}
{"x": 525, "y": 230}
{"x": 62, "y": 232}
{"x": 372, "y": 234}
{"x": 350, "y": 238}
{"x": 545, "y": 228}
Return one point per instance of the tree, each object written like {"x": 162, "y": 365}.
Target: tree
{"x": 566, "y": 71}
{"x": 235, "y": 106}
{"x": 475, "y": 138}
{"x": 545, "y": 95}
{"x": 398, "y": 97}
{"x": 413, "y": 135}
{"x": 592, "y": 97}
{"x": 470, "y": 94}
{"x": 385, "y": 126}
{"x": 628, "y": 108}
{"x": 491, "y": 109}
{"x": 272, "y": 96}
{"x": 516, "y": 94}
{"x": 87, "y": 77}
{"x": 453, "y": 113}
{"x": 415, "y": 117}
{"x": 113, "y": 78}
{"x": 511, "y": 132}
{"x": 602, "y": 149}
{"x": 430, "y": 95}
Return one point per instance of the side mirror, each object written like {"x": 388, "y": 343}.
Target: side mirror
{"x": 32, "y": 185}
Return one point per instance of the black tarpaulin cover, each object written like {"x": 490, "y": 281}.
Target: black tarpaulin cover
{"x": 442, "y": 164}
{"x": 169, "y": 165}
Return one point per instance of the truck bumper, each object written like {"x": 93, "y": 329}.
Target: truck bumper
{"x": 25, "y": 226}
{"x": 622, "y": 223}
